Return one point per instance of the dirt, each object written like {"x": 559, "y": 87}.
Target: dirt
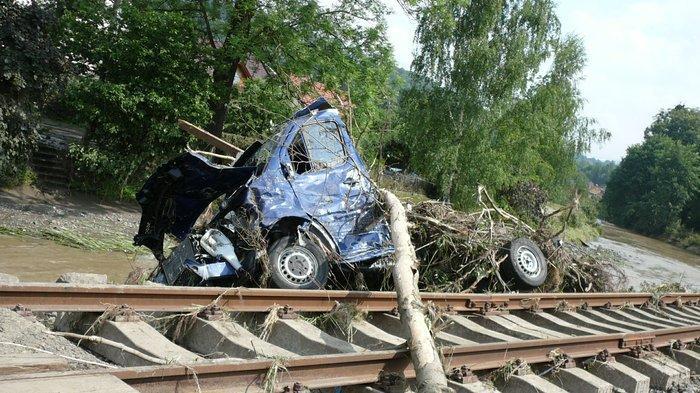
{"x": 16, "y": 329}
{"x": 649, "y": 260}
{"x": 87, "y": 235}
{"x": 29, "y": 208}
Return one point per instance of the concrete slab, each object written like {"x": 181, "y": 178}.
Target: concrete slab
{"x": 82, "y": 278}
{"x": 683, "y": 370}
{"x": 463, "y": 326}
{"x": 142, "y": 337}
{"x": 8, "y": 279}
{"x": 692, "y": 310}
{"x": 371, "y": 337}
{"x": 388, "y": 323}
{"x": 447, "y": 339}
{"x": 66, "y": 384}
{"x": 627, "y": 316}
{"x": 551, "y": 322}
{"x": 684, "y": 320}
{"x": 224, "y": 338}
{"x": 661, "y": 376}
{"x": 686, "y": 357}
{"x": 506, "y": 326}
{"x": 472, "y": 387}
{"x": 303, "y": 338}
{"x": 392, "y": 325}
{"x": 609, "y": 320}
{"x": 579, "y": 380}
{"x": 577, "y": 318}
{"x": 531, "y": 326}
{"x": 22, "y": 363}
{"x": 69, "y": 321}
{"x": 680, "y": 314}
{"x": 621, "y": 376}
{"x": 529, "y": 384}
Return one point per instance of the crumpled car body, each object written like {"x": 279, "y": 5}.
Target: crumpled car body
{"x": 306, "y": 178}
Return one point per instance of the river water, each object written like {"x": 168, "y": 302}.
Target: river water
{"x": 33, "y": 259}
{"x": 651, "y": 260}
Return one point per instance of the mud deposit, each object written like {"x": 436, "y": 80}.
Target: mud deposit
{"x": 651, "y": 260}
{"x": 33, "y": 259}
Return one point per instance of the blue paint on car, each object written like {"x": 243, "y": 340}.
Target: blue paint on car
{"x": 309, "y": 172}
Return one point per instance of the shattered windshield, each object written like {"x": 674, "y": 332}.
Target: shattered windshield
{"x": 262, "y": 155}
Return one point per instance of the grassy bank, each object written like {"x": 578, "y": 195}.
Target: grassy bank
{"x": 111, "y": 242}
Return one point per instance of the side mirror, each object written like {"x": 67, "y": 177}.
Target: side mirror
{"x": 288, "y": 170}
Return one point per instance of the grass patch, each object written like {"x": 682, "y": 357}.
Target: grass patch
{"x": 583, "y": 233}
{"x": 64, "y": 237}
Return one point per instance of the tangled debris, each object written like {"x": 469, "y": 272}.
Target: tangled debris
{"x": 463, "y": 252}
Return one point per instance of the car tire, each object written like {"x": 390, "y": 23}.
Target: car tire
{"x": 297, "y": 266}
{"x": 525, "y": 263}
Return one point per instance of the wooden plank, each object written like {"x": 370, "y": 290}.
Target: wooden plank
{"x": 31, "y": 363}
{"x": 209, "y": 138}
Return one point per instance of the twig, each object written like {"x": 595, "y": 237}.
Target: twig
{"x": 102, "y": 340}
{"x": 59, "y": 355}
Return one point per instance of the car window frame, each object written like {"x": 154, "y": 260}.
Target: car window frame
{"x": 317, "y": 168}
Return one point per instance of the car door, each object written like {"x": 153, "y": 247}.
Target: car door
{"x": 326, "y": 181}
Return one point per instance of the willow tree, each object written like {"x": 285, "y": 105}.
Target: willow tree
{"x": 495, "y": 98}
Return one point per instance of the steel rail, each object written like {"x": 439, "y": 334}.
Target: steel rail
{"x": 324, "y": 371}
{"x": 70, "y": 297}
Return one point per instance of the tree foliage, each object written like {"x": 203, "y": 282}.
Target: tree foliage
{"x": 656, "y": 188}
{"x": 495, "y": 98}
{"x": 144, "y": 63}
{"x": 138, "y": 73}
{"x": 31, "y": 70}
{"x": 596, "y": 171}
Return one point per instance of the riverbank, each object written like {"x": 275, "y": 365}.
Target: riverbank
{"x": 650, "y": 260}
{"x": 66, "y": 233}
{"x": 75, "y": 220}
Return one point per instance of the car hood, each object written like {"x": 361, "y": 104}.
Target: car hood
{"x": 178, "y": 192}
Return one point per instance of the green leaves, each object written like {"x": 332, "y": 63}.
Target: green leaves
{"x": 656, "y": 188}
{"x": 32, "y": 68}
{"x": 496, "y": 100}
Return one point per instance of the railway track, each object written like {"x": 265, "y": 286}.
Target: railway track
{"x": 569, "y": 342}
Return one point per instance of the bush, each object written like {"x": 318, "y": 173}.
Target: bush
{"x": 32, "y": 68}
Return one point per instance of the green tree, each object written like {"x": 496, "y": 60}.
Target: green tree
{"x": 32, "y": 67}
{"x": 146, "y": 63}
{"x": 680, "y": 123}
{"x": 494, "y": 99}
{"x": 596, "y": 171}
{"x": 653, "y": 185}
{"x": 140, "y": 70}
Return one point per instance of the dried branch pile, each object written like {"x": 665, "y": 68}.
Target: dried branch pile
{"x": 462, "y": 252}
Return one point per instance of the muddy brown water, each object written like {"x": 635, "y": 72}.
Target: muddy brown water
{"x": 651, "y": 260}
{"x": 33, "y": 259}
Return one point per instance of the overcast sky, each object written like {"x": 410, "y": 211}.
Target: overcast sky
{"x": 643, "y": 55}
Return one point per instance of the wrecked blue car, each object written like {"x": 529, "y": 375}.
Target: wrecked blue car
{"x": 296, "y": 206}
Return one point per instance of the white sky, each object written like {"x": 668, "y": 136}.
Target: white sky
{"x": 643, "y": 55}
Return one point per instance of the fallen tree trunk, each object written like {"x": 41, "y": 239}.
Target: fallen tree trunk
{"x": 430, "y": 374}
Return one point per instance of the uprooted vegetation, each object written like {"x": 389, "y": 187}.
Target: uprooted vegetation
{"x": 463, "y": 252}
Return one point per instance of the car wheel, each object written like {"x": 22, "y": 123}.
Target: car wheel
{"x": 296, "y": 266}
{"x": 525, "y": 263}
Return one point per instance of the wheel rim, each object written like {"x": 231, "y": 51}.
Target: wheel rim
{"x": 527, "y": 262}
{"x": 297, "y": 265}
